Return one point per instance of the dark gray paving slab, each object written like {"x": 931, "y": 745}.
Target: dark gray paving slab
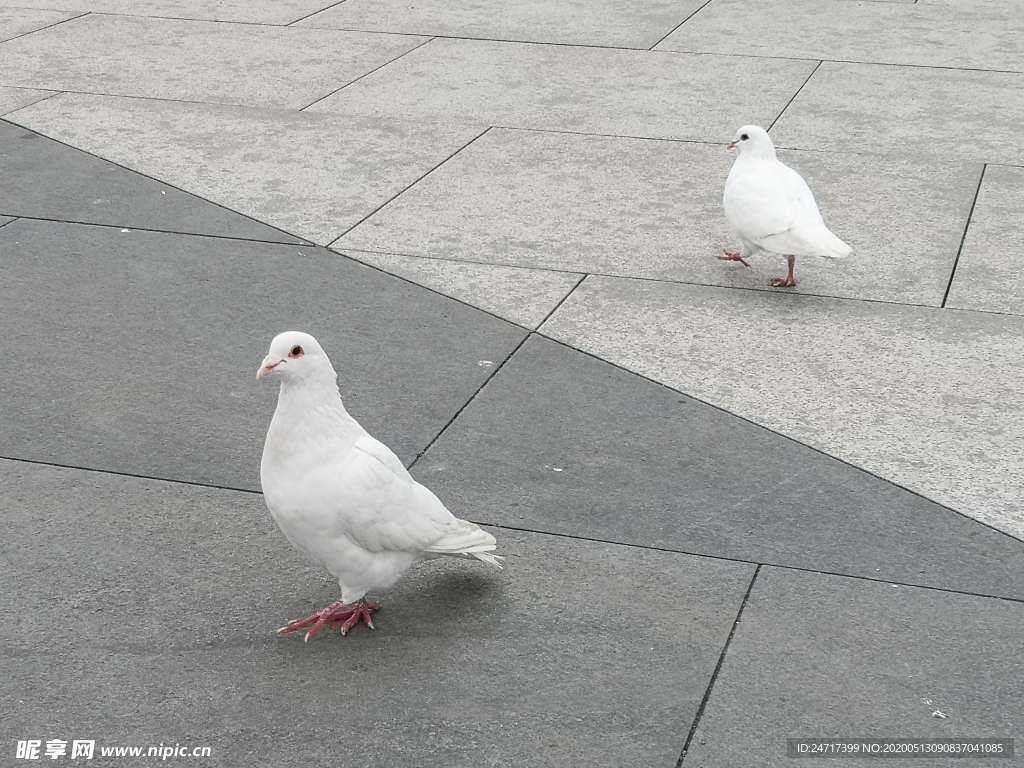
{"x": 158, "y": 627}
{"x": 145, "y": 347}
{"x": 561, "y": 442}
{"x": 832, "y": 657}
{"x": 45, "y": 179}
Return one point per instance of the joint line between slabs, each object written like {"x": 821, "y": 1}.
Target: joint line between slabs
{"x": 963, "y": 239}
{"x": 13, "y": 219}
{"x": 677, "y": 26}
{"x": 406, "y": 189}
{"x": 802, "y": 85}
{"x": 367, "y": 74}
{"x": 314, "y": 13}
{"x": 718, "y": 668}
{"x": 562, "y": 301}
{"x": 48, "y": 26}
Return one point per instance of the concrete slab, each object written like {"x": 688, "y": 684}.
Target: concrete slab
{"x": 147, "y": 346}
{"x": 818, "y": 656}
{"x": 653, "y": 209}
{"x": 990, "y": 273}
{"x": 49, "y": 180}
{"x": 569, "y": 22}
{"x": 311, "y": 175}
{"x": 6, "y": 220}
{"x": 873, "y": 108}
{"x": 904, "y": 392}
{"x": 15, "y": 22}
{"x": 245, "y": 11}
{"x": 523, "y": 296}
{"x": 975, "y": 37}
{"x": 561, "y": 442}
{"x": 588, "y": 90}
{"x": 175, "y": 592}
{"x": 248, "y": 64}
{"x": 12, "y": 99}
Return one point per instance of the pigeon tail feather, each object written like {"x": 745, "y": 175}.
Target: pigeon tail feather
{"x": 467, "y": 541}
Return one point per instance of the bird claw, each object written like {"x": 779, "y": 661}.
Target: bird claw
{"x": 782, "y": 282}
{"x": 733, "y": 256}
{"x": 340, "y": 614}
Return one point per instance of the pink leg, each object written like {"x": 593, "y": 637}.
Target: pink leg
{"x": 785, "y": 282}
{"x": 733, "y": 256}
{"x": 340, "y": 614}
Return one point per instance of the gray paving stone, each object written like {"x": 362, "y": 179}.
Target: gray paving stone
{"x": 247, "y": 11}
{"x": 974, "y": 37}
{"x": 312, "y": 175}
{"x": 830, "y": 657}
{"x": 603, "y": 22}
{"x": 875, "y": 108}
{"x": 561, "y": 442}
{"x": 904, "y": 392}
{"x": 145, "y": 347}
{"x": 247, "y": 64}
{"x": 15, "y": 22}
{"x": 158, "y": 627}
{"x": 990, "y": 273}
{"x": 653, "y": 209}
{"x": 588, "y": 90}
{"x": 524, "y": 296}
{"x": 6, "y": 220}
{"x": 13, "y": 99}
{"x": 45, "y": 179}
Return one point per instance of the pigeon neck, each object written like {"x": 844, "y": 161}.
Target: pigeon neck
{"x": 316, "y": 398}
{"x": 763, "y": 152}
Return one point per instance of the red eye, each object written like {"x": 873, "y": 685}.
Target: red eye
{"x": 296, "y": 352}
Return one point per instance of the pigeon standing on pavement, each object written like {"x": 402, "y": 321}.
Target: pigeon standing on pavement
{"x": 769, "y": 205}
{"x": 343, "y": 498}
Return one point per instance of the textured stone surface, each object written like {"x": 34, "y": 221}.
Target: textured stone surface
{"x": 12, "y": 99}
{"x": 589, "y": 90}
{"x": 247, "y": 11}
{"x": 311, "y": 175}
{"x": 990, "y": 273}
{"x": 819, "y": 656}
{"x": 248, "y": 64}
{"x": 15, "y": 22}
{"x": 158, "y": 626}
{"x": 906, "y": 392}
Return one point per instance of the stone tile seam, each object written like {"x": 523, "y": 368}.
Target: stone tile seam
{"x": 326, "y": 8}
{"x": 963, "y": 238}
{"x": 366, "y": 74}
{"x": 13, "y": 219}
{"x": 677, "y": 26}
{"x": 408, "y": 187}
{"x": 302, "y": 240}
{"x": 48, "y": 26}
{"x": 819, "y": 451}
{"x": 718, "y": 668}
{"x": 163, "y": 231}
{"x": 788, "y": 103}
{"x": 555, "y": 534}
{"x": 562, "y": 300}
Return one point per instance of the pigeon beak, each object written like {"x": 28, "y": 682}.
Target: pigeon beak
{"x": 732, "y": 145}
{"x": 267, "y": 367}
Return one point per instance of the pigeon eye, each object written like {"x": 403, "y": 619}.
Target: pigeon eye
{"x": 744, "y": 137}
{"x": 296, "y": 352}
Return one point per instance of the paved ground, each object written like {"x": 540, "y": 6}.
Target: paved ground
{"x": 733, "y": 515}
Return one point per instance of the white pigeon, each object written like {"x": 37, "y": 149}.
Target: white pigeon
{"x": 769, "y": 205}
{"x": 342, "y": 497}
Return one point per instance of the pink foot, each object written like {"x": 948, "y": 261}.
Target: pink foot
{"x": 783, "y": 282}
{"x": 733, "y": 256}
{"x": 340, "y": 614}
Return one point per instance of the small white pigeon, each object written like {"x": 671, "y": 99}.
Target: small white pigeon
{"x": 769, "y": 205}
{"x": 343, "y": 498}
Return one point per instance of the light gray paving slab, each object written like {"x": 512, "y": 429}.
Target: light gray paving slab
{"x": 524, "y": 296}
{"x": 246, "y": 11}
{"x": 158, "y": 626}
{"x": 12, "y": 99}
{"x": 589, "y": 90}
{"x": 630, "y": 24}
{"x": 990, "y": 273}
{"x": 653, "y": 209}
{"x": 817, "y": 656}
{"x": 246, "y": 64}
{"x": 904, "y": 392}
{"x": 15, "y": 22}
{"x": 973, "y": 37}
{"x": 312, "y": 175}
{"x": 956, "y": 114}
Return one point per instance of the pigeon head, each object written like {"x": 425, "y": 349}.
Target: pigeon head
{"x": 297, "y": 357}
{"x": 753, "y": 141}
